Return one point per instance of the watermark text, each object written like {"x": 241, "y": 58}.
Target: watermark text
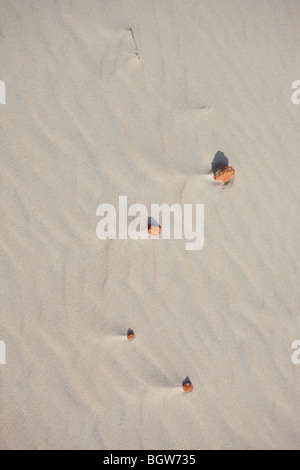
{"x": 2, "y": 352}
{"x": 188, "y": 222}
{"x": 2, "y": 92}
{"x": 296, "y": 354}
{"x": 296, "y": 94}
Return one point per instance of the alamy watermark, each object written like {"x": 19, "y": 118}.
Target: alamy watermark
{"x": 2, "y": 92}
{"x": 296, "y": 354}
{"x": 2, "y": 353}
{"x": 296, "y": 94}
{"x": 185, "y": 224}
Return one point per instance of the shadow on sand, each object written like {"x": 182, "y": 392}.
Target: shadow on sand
{"x": 152, "y": 222}
{"x": 220, "y": 159}
{"x": 186, "y": 381}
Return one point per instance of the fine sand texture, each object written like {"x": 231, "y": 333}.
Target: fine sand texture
{"x": 91, "y": 115}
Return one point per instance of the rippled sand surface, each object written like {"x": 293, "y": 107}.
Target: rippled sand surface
{"x": 86, "y": 120}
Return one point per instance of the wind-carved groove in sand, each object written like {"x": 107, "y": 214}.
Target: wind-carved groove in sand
{"x": 205, "y": 108}
{"x": 136, "y": 48}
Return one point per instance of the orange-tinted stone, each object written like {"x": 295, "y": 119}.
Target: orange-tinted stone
{"x": 187, "y": 387}
{"x": 224, "y": 173}
{"x": 154, "y": 230}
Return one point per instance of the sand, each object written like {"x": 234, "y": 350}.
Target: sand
{"x": 86, "y": 120}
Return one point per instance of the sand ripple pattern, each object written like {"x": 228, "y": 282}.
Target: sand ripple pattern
{"x": 85, "y": 122}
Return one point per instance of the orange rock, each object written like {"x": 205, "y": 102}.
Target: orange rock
{"x": 154, "y": 229}
{"x": 187, "y": 387}
{"x": 224, "y": 173}
{"x": 130, "y": 334}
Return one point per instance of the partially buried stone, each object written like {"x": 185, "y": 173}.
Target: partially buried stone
{"x": 224, "y": 173}
{"x": 154, "y": 229}
{"x": 187, "y": 387}
{"x": 130, "y": 334}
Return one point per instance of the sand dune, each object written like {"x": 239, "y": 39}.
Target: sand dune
{"x": 85, "y": 121}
